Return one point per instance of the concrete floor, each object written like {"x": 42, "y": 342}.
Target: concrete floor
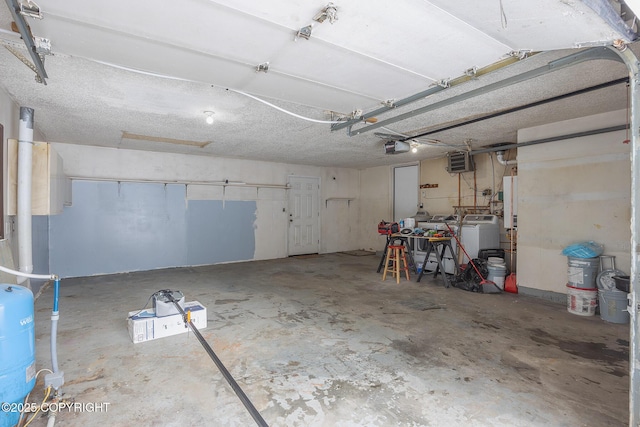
{"x": 323, "y": 341}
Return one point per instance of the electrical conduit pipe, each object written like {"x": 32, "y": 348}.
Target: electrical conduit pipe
{"x": 25, "y": 166}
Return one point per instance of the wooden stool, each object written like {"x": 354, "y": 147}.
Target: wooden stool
{"x": 397, "y": 255}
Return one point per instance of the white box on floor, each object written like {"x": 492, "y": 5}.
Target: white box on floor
{"x": 145, "y": 326}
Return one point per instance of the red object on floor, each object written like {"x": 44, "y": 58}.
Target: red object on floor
{"x": 510, "y": 284}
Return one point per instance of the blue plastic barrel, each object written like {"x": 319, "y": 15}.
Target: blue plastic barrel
{"x": 17, "y": 350}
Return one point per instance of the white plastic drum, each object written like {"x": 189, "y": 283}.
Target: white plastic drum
{"x": 497, "y": 274}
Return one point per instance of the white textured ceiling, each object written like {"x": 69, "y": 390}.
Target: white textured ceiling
{"x": 152, "y": 67}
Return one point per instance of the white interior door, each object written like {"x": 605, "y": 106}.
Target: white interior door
{"x": 405, "y": 191}
{"x": 304, "y": 215}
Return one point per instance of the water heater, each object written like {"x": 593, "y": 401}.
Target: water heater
{"x": 17, "y": 349}
{"x": 510, "y": 198}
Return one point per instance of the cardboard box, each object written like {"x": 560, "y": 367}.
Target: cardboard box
{"x": 145, "y": 326}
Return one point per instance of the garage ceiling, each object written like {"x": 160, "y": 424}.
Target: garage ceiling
{"x": 140, "y": 75}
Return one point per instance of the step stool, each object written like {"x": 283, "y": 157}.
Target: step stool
{"x": 395, "y": 261}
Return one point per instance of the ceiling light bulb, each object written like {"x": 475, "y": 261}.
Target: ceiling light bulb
{"x": 414, "y": 150}
{"x": 209, "y": 118}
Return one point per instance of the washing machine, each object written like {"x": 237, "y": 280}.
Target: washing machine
{"x": 479, "y": 232}
{"x": 438, "y": 223}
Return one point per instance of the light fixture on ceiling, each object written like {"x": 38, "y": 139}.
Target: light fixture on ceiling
{"x": 414, "y": 149}
{"x": 330, "y": 12}
{"x": 209, "y": 117}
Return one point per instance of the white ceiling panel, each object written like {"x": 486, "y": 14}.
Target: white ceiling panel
{"x": 414, "y": 35}
{"x": 540, "y": 25}
{"x": 152, "y": 67}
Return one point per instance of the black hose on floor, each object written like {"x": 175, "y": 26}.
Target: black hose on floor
{"x": 234, "y": 385}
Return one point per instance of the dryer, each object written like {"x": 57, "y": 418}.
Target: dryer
{"x": 479, "y": 232}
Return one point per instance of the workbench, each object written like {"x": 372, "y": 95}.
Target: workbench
{"x": 438, "y": 245}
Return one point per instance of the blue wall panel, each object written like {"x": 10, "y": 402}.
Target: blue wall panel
{"x": 119, "y": 227}
{"x": 114, "y": 227}
{"x": 220, "y": 231}
{"x": 40, "y": 243}
{"x": 40, "y": 249}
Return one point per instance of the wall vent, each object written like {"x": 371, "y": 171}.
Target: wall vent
{"x": 460, "y": 162}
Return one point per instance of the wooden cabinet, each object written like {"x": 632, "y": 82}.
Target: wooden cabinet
{"x": 51, "y": 189}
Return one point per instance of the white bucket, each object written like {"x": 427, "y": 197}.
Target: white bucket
{"x": 581, "y": 301}
{"x": 496, "y": 274}
{"x": 494, "y": 260}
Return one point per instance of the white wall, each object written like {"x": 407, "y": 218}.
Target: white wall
{"x": 570, "y": 191}
{"x": 440, "y": 200}
{"x": 375, "y": 205}
{"x": 338, "y": 230}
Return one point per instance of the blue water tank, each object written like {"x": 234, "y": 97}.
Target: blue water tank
{"x": 17, "y": 350}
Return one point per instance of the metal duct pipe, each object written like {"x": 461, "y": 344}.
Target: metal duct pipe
{"x": 25, "y": 155}
{"x": 502, "y": 161}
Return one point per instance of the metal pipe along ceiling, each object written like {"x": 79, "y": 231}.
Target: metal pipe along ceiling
{"x": 433, "y": 90}
{"x": 519, "y": 108}
{"x": 504, "y": 147}
{"x": 596, "y": 53}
